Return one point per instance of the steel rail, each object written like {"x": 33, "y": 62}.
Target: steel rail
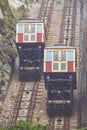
{"x": 67, "y": 33}
{"x": 24, "y": 100}
{"x": 19, "y": 103}
{"x": 32, "y": 102}
{"x": 45, "y": 14}
{"x": 63, "y": 21}
{"x": 73, "y": 23}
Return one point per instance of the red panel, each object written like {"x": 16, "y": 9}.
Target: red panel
{"x": 20, "y": 38}
{"x": 70, "y": 66}
{"x": 48, "y": 66}
{"x": 39, "y": 37}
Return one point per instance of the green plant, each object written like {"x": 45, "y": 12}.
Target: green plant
{"x": 83, "y": 128}
{"x": 21, "y": 125}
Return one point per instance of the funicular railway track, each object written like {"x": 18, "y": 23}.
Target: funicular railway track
{"x": 36, "y": 94}
{"x": 20, "y": 105}
{"x": 45, "y": 13}
{"x": 67, "y": 33}
{"x": 26, "y": 104}
{"x": 67, "y": 37}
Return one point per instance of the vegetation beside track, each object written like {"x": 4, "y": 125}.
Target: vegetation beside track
{"x": 83, "y": 128}
{"x": 21, "y": 125}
